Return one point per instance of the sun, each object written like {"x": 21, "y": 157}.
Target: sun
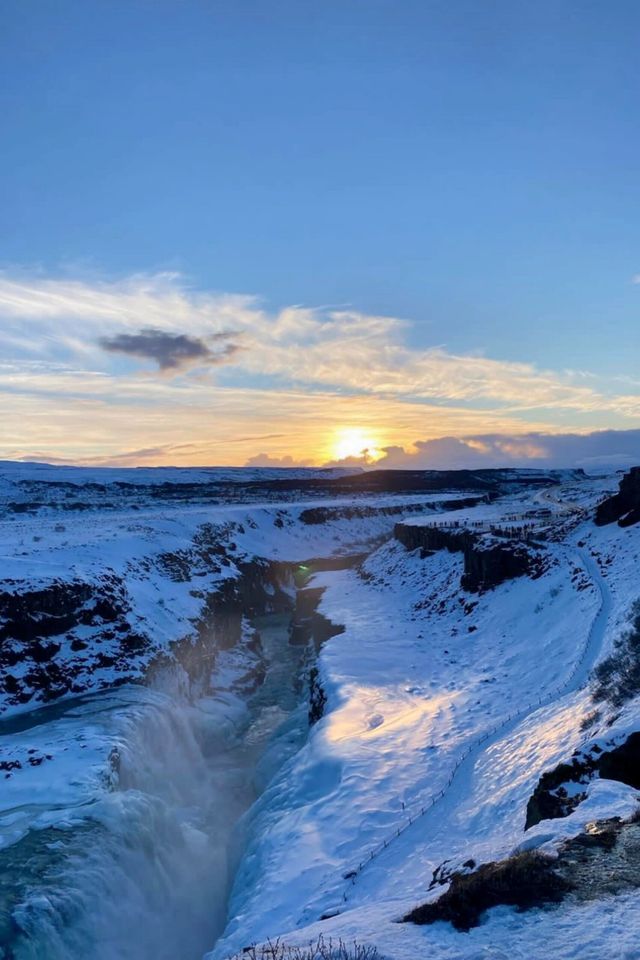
{"x": 356, "y": 442}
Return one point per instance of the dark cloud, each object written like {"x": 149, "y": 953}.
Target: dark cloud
{"x": 172, "y": 351}
{"x": 615, "y": 448}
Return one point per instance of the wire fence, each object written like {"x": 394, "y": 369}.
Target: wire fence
{"x": 508, "y": 528}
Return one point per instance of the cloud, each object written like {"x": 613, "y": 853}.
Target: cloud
{"x": 171, "y": 351}
{"x": 264, "y": 460}
{"x": 341, "y": 350}
{"x": 534, "y": 449}
{"x": 171, "y": 454}
{"x": 595, "y": 451}
{"x": 294, "y": 375}
{"x": 133, "y": 458}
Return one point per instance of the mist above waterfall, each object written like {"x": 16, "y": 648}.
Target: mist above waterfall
{"x": 143, "y": 872}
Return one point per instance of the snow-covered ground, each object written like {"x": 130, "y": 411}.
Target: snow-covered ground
{"x": 443, "y": 708}
{"x": 419, "y": 681}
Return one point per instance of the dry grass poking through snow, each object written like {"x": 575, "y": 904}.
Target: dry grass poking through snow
{"x": 319, "y": 949}
{"x": 617, "y": 678}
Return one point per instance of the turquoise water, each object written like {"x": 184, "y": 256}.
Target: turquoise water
{"x": 143, "y": 870}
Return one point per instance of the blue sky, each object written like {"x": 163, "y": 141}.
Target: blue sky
{"x": 470, "y": 167}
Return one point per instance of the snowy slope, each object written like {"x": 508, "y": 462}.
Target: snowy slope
{"x": 91, "y": 600}
{"x": 156, "y": 566}
{"x": 423, "y": 675}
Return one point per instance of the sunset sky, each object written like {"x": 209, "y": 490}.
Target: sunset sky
{"x": 274, "y": 232}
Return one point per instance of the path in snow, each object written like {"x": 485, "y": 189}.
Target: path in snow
{"x": 459, "y": 782}
{"x": 564, "y": 506}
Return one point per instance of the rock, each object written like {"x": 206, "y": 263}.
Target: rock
{"x": 317, "y": 697}
{"x": 487, "y": 562}
{"x": 526, "y": 880}
{"x": 317, "y": 515}
{"x": 34, "y": 622}
{"x": 624, "y": 506}
{"x": 552, "y": 799}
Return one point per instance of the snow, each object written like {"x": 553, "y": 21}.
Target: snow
{"x": 443, "y": 707}
{"x": 576, "y": 931}
{"x": 410, "y": 690}
{"x": 39, "y": 551}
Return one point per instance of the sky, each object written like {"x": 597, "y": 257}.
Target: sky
{"x": 403, "y": 232}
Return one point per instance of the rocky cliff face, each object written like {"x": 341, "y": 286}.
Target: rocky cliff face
{"x": 68, "y": 636}
{"x": 624, "y": 506}
{"x": 559, "y": 791}
{"x": 55, "y": 636}
{"x": 317, "y": 515}
{"x": 487, "y": 562}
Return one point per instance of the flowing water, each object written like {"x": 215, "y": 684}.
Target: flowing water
{"x": 141, "y": 870}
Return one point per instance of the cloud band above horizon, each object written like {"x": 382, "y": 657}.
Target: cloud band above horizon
{"x": 146, "y": 367}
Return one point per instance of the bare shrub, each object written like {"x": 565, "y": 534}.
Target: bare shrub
{"x": 320, "y": 949}
{"x": 590, "y": 720}
{"x": 617, "y": 677}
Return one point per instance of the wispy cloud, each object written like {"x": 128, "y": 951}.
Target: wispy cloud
{"x": 228, "y": 367}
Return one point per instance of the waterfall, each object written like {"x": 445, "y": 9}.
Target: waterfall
{"x": 143, "y": 873}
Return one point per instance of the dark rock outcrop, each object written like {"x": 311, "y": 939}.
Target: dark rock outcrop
{"x": 308, "y": 624}
{"x": 44, "y": 651}
{"x": 310, "y": 628}
{"x": 487, "y": 562}
{"x": 489, "y": 565}
{"x": 256, "y": 590}
{"x": 524, "y": 881}
{"x": 624, "y": 506}
{"x": 317, "y": 697}
{"x": 622, "y": 763}
{"x": 318, "y": 515}
{"x": 44, "y": 612}
{"x": 558, "y": 791}
{"x": 601, "y": 862}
